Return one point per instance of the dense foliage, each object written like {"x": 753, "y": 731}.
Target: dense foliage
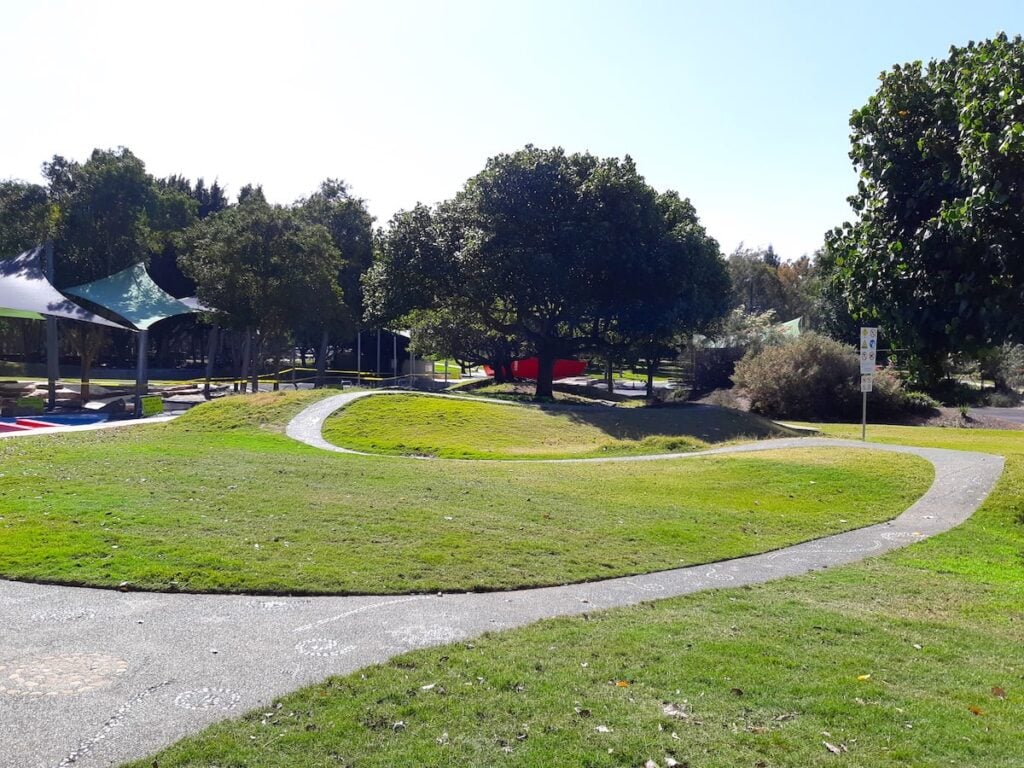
{"x": 292, "y": 272}
{"x": 815, "y": 377}
{"x": 936, "y": 254}
{"x": 565, "y": 254}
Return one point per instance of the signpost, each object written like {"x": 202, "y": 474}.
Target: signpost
{"x": 868, "y": 350}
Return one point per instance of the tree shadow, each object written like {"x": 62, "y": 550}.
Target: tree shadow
{"x": 709, "y": 423}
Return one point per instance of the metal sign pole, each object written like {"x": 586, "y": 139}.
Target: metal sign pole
{"x": 864, "y": 417}
{"x": 140, "y": 370}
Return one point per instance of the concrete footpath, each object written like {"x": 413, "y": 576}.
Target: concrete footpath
{"x": 95, "y": 677}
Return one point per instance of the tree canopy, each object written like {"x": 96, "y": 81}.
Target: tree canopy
{"x": 936, "y": 254}
{"x": 564, "y": 252}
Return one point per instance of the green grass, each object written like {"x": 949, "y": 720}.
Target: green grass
{"x": 766, "y": 675}
{"x": 220, "y": 500}
{"x": 461, "y": 429}
{"x": 454, "y": 370}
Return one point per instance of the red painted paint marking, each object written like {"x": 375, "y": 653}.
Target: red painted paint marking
{"x": 34, "y": 423}
{"x": 5, "y": 427}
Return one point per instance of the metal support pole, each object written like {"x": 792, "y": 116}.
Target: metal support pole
{"x": 864, "y": 417}
{"x": 52, "y": 359}
{"x": 140, "y": 371}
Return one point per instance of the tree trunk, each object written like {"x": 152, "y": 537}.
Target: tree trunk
{"x": 652, "y": 366}
{"x": 86, "y": 362}
{"x": 608, "y": 375}
{"x": 210, "y": 358}
{"x": 321, "y": 361}
{"x": 257, "y": 361}
{"x": 246, "y": 356}
{"x": 498, "y": 366}
{"x": 545, "y": 375}
{"x": 88, "y": 342}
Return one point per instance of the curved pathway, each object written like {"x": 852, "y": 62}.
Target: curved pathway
{"x": 95, "y": 677}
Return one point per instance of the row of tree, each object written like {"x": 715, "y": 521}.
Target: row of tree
{"x": 270, "y": 271}
{"x": 550, "y": 254}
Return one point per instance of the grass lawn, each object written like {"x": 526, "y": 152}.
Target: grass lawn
{"x": 911, "y": 659}
{"x": 460, "y": 429}
{"x": 220, "y": 500}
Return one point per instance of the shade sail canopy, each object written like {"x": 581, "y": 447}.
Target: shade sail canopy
{"x": 792, "y": 328}
{"x": 25, "y": 292}
{"x": 194, "y": 303}
{"x": 132, "y": 294}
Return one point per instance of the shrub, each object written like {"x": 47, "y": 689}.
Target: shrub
{"x": 1010, "y": 372}
{"x": 152, "y": 405}
{"x": 724, "y": 398}
{"x": 889, "y": 398}
{"x": 915, "y": 400}
{"x": 1008, "y": 399}
{"x": 32, "y": 404}
{"x": 815, "y": 377}
{"x": 811, "y": 377}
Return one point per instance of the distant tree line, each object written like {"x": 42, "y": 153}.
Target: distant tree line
{"x": 287, "y": 274}
{"x": 550, "y": 254}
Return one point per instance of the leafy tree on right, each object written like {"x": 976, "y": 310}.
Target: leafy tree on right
{"x": 936, "y": 255}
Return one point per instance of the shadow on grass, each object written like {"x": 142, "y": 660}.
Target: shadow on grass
{"x": 707, "y": 422}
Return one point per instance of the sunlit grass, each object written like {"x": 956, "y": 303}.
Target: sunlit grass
{"x": 911, "y": 659}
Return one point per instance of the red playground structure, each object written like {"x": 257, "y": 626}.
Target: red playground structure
{"x": 528, "y": 368}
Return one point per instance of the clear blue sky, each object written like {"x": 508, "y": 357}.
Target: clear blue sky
{"x": 741, "y": 106}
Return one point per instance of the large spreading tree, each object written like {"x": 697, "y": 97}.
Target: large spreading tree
{"x": 567, "y": 253}
{"x": 936, "y": 254}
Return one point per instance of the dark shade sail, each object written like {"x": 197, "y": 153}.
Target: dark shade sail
{"x": 25, "y": 292}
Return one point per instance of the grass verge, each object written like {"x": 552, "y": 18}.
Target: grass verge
{"x": 220, "y": 500}
{"x": 911, "y": 659}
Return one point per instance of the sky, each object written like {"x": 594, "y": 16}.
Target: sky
{"x": 740, "y": 105}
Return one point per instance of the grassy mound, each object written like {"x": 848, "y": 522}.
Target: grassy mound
{"x": 220, "y": 500}
{"x": 911, "y": 659}
{"x": 463, "y": 429}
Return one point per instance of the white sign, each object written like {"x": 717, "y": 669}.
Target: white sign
{"x": 867, "y": 361}
{"x": 866, "y": 381}
{"x": 868, "y": 349}
{"x": 869, "y": 338}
